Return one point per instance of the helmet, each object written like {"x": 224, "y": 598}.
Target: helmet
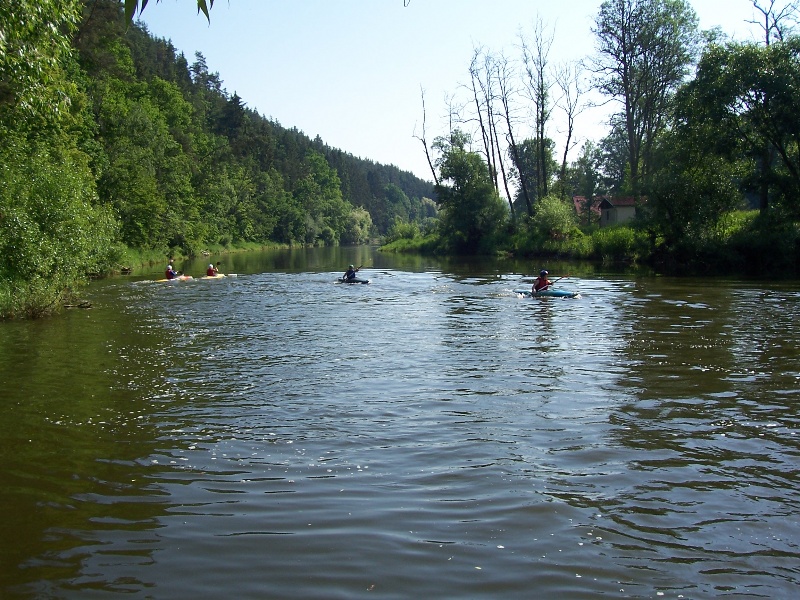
{"x": 169, "y": 267}
{"x": 352, "y": 267}
{"x": 543, "y": 273}
{"x": 211, "y": 266}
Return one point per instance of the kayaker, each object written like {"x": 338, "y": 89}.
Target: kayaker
{"x": 350, "y": 273}
{"x": 211, "y": 270}
{"x": 542, "y": 282}
{"x": 170, "y": 273}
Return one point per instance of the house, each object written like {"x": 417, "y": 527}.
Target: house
{"x": 587, "y": 213}
{"x": 615, "y": 211}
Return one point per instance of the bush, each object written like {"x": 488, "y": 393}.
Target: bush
{"x": 554, "y": 218}
{"x": 52, "y": 234}
{"x": 620, "y": 244}
{"x": 401, "y": 230}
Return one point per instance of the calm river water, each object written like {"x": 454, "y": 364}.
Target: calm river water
{"x": 430, "y": 435}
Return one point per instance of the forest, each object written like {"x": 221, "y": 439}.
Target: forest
{"x": 118, "y": 150}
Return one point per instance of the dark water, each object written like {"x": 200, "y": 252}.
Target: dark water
{"x": 431, "y": 435}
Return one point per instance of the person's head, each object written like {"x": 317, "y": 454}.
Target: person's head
{"x": 352, "y": 266}
{"x": 169, "y": 267}
{"x": 211, "y": 266}
{"x": 543, "y": 273}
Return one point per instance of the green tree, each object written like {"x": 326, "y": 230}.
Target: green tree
{"x": 749, "y": 95}
{"x": 472, "y": 214}
{"x": 644, "y": 50}
{"x": 692, "y": 188}
{"x": 554, "y": 218}
{"x": 52, "y": 231}
{"x": 357, "y": 227}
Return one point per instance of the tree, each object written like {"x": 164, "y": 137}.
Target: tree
{"x": 472, "y": 213}
{"x": 569, "y": 78}
{"x": 614, "y": 163}
{"x": 749, "y": 94}
{"x": 532, "y": 167}
{"x": 777, "y": 22}
{"x": 644, "y": 50}
{"x": 538, "y": 84}
{"x": 506, "y": 91}
{"x": 52, "y": 229}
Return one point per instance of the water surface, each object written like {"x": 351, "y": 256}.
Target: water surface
{"x": 431, "y": 434}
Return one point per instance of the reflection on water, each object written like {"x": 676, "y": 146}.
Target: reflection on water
{"x": 278, "y": 435}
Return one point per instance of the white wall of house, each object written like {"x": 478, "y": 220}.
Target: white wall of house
{"x": 616, "y": 215}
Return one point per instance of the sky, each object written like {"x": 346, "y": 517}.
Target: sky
{"x": 353, "y": 71}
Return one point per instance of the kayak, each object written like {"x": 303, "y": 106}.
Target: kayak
{"x": 548, "y": 294}
{"x": 354, "y": 280}
{"x": 178, "y": 278}
{"x": 218, "y": 276}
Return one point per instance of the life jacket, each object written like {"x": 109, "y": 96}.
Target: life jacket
{"x": 170, "y": 274}
{"x": 211, "y": 271}
{"x": 541, "y": 282}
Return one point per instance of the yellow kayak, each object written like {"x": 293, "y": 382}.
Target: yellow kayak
{"x": 178, "y": 278}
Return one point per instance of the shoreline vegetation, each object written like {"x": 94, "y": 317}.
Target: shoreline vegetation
{"x": 741, "y": 243}
{"x": 738, "y": 247}
{"x": 119, "y": 153}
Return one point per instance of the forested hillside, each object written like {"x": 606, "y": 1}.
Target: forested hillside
{"x": 185, "y": 163}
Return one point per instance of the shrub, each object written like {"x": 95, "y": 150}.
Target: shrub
{"x": 620, "y": 244}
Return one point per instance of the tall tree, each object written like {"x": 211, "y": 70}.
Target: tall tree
{"x": 777, "y": 23}
{"x": 644, "y": 50}
{"x": 506, "y": 92}
{"x": 481, "y": 71}
{"x": 570, "y": 80}
{"x": 536, "y": 57}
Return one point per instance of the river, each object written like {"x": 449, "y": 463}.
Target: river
{"x": 430, "y": 435}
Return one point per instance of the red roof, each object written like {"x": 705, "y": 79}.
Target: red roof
{"x": 579, "y": 202}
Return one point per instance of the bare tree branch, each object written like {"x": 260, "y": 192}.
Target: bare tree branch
{"x": 424, "y": 140}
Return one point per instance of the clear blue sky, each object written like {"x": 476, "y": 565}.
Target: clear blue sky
{"x": 351, "y": 71}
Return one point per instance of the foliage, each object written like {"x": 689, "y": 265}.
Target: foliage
{"x": 691, "y": 188}
{"x": 358, "y": 227}
{"x": 132, "y": 7}
{"x": 535, "y": 162}
{"x": 422, "y": 244}
{"x": 554, "y": 218}
{"x": 34, "y": 43}
{"x": 52, "y": 233}
{"x": 620, "y": 244}
{"x": 749, "y": 95}
{"x": 472, "y": 213}
{"x": 402, "y": 230}
{"x": 645, "y": 48}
